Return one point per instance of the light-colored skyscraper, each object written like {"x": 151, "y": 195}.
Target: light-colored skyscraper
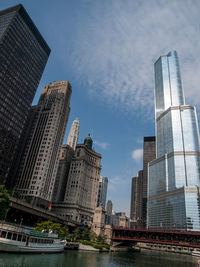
{"x": 174, "y": 176}
{"x": 103, "y": 185}
{"x": 81, "y": 194}
{"x": 109, "y": 207}
{"x": 72, "y": 138}
{"x": 45, "y": 133}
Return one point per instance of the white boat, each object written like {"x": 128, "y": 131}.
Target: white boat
{"x": 196, "y": 253}
{"x": 19, "y": 239}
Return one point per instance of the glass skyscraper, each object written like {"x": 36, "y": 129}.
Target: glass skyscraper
{"x": 23, "y": 56}
{"x": 174, "y": 176}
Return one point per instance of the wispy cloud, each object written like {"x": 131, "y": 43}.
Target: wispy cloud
{"x": 140, "y": 140}
{"x": 115, "y": 183}
{"x": 102, "y": 145}
{"x": 113, "y": 51}
{"x": 137, "y": 154}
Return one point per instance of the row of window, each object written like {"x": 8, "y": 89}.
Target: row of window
{"x": 24, "y": 238}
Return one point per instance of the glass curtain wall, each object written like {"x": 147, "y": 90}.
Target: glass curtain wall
{"x": 177, "y": 165}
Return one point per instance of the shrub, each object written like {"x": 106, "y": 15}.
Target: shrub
{"x": 101, "y": 246}
{"x": 86, "y": 242}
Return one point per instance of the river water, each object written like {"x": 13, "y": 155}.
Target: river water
{"x": 69, "y": 258}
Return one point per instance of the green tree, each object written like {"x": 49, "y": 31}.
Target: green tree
{"x": 77, "y": 234}
{"x": 85, "y": 235}
{"x": 66, "y": 234}
{"x": 4, "y": 202}
{"x": 100, "y": 239}
{"x": 46, "y": 226}
{"x": 93, "y": 236}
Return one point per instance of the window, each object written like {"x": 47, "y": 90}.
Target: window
{"x": 19, "y": 238}
{"x": 9, "y": 235}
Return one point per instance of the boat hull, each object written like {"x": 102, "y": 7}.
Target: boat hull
{"x": 196, "y": 254}
{"x": 10, "y": 246}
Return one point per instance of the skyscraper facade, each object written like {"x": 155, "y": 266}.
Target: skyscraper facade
{"x": 45, "y": 132}
{"x": 81, "y": 193}
{"x": 136, "y": 200}
{"x": 23, "y": 56}
{"x": 60, "y": 185}
{"x": 138, "y": 211}
{"x": 109, "y": 208}
{"x": 73, "y": 134}
{"x": 149, "y": 154}
{"x": 102, "y": 193}
{"x": 174, "y": 176}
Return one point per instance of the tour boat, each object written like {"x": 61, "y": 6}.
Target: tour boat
{"x": 19, "y": 239}
{"x": 196, "y": 253}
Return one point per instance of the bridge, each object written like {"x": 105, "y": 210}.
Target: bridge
{"x": 30, "y": 215}
{"x": 130, "y": 236}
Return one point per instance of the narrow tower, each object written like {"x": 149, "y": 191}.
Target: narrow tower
{"x": 73, "y": 134}
{"x": 174, "y": 176}
{"x": 102, "y": 193}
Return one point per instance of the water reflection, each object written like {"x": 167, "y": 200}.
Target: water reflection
{"x": 92, "y": 259}
{"x": 26, "y": 260}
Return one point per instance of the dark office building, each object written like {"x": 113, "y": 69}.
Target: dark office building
{"x": 138, "y": 209}
{"x": 149, "y": 154}
{"x": 23, "y": 56}
{"x": 136, "y": 200}
{"x": 60, "y": 185}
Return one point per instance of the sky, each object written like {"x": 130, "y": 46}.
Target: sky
{"x": 106, "y": 50}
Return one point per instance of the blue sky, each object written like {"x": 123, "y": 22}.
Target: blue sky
{"x": 106, "y": 49}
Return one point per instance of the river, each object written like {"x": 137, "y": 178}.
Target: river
{"x": 92, "y": 259}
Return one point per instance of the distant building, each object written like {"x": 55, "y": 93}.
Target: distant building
{"x": 23, "y": 56}
{"x": 83, "y": 182}
{"x": 102, "y": 193}
{"x": 138, "y": 211}
{"x": 73, "y": 134}
{"x": 149, "y": 154}
{"x": 45, "y": 133}
{"x": 109, "y": 207}
{"x": 124, "y": 221}
{"x": 136, "y": 200}
{"x": 60, "y": 185}
{"x": 134, "y": 216}
{"x": 116, "y": 218}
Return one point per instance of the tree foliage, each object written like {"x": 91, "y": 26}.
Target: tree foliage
{"x": 77, "y": 234}
{"x": 4, "y": 202}
{"x": 47, "y": 226}
{"x": 93, "y": 236}
{"x": 101, "y": 239}
{"x": 85, "y": 235}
